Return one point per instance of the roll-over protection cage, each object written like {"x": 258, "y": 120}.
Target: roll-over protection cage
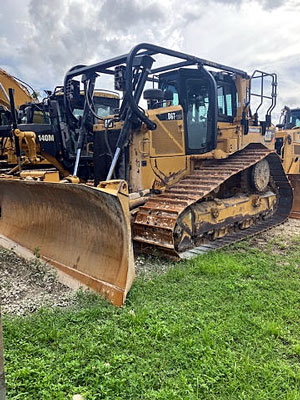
{"x": 131, "y": 72}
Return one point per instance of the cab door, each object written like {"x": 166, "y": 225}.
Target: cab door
{"x": 198, "y": 99}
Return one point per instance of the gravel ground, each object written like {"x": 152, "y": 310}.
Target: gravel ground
{"x": 28, "y": 285}
{"x": 147, "y": 265}
{"x": 282, "y": 234}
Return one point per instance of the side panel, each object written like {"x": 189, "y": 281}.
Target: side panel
{"x": 168, "y": 138}
{"x": 158, "y": 157}
{"x": 295, "y": 182}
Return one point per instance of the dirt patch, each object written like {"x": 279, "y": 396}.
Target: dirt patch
{"x": 147, "y": 265}
{"x": 280, "y": 237}
{"x": 28, "y": 285}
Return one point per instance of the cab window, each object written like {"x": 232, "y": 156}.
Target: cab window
{"x": 197, "y": 114}
{"x": 170, "y": 86}
{"x": 295, "y": 119}
{"x": 226, "y": 102}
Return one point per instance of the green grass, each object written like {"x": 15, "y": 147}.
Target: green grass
{"x": 222, "y": 326}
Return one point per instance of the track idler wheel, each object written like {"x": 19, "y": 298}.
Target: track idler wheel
{"x": 260, "y": 175}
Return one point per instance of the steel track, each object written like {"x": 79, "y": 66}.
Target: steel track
{"x": 155, "y": 222}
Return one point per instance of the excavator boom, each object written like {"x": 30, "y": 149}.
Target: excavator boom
{"x": 21, "y": 93}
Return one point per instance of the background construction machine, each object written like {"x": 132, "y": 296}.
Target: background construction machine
{"x": 194, "y": 172}
{"x": 22, "y": 96}
{"x": 47, "y": 133}
{"x": 21, "y": 92}
{"x": 288, "y": 147}
{"x": 290, "y": 118}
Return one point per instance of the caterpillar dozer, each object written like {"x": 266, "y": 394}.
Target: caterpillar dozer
{"x": 288, "y": 147}
{"x": 183, "y": 167}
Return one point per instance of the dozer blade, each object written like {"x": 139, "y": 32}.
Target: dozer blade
{"x": 295, "y": 182}
{"x": 81, "y": 230}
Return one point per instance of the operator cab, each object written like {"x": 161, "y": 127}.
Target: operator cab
{"x": 292, "y": 118}
{"x": 196, "y": 93}
{"x": 205, "y": 98}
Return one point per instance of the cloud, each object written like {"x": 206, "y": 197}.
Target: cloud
{"x": 245, "y": 37}
{"x": 272, "y": 4}
{"x": 63, "y": 33}
{"x": 266, "y": 4}
{"x": 41, "y": 40}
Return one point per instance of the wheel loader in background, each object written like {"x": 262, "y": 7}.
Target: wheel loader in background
{"x": 195, "y": 171}
{"x": 288, "y": 147}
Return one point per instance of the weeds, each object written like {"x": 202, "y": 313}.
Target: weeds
{"x": 37, "y": 252}
{"x": 222, "y": 326}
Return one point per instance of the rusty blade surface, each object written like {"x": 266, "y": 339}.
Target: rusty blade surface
{"x": 81, "y": 230}
{"x": 295, "y": 182}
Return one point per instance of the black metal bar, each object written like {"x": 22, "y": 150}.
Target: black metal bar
{"x": 258, "y": 95}
{"x": 274, "y": 94}
{"x": 214, "y": 105}
{"x": 171, "y": 66}
{"x": 149, "y": 49}
{"x": 12, "y": 108}
{"x": 14, "y": 124}
{"x": 133, "y": 103}
{"x": 261, "y": 90}
{"x": 89, "y": 90}
{"x": 257, "y": 74}
{"x": 101, "y": 67}
{"x": 132, "y": 100}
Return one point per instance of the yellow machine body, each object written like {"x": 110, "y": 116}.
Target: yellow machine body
{"x": 21, "y": 93}
{"x": 181, "y": 202}
{"x": 290, "y": 155}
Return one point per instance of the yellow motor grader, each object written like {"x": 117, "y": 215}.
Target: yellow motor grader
{"x": 47, "y": 132}
{"x": 288, "y": 147}
{"x": 183, "y": 167}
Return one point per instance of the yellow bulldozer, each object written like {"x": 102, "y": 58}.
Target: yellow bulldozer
{"x": 288, "y": 147}
{"x": 183, "y": 166}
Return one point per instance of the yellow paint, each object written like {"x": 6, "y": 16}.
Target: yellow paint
{"x": 21, "y": 94}
{"x": 42, "y": 175}
{"x": 290, "y": 150}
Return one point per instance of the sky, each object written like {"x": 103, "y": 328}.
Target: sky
{"x": 41, "y": 39}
